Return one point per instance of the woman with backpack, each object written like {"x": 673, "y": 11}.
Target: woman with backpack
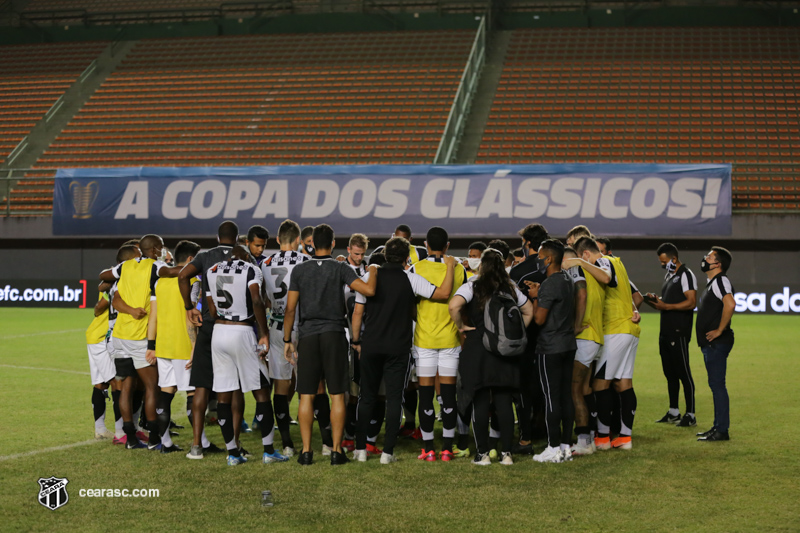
{"x": 492, "y": 314}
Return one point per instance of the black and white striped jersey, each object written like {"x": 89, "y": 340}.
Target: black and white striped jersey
{"x": 228, "y": 284}
{"x": 277, "y": 272}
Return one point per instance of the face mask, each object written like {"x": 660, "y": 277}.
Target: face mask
{"x": 474, "y": 263}
{"x": 705, "y": 266}
{"x": 309, "y": 249}
{"x": 669, "y": 267}
{"x": 162, "y": 255}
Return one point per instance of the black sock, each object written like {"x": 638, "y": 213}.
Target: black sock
{"x": 266, "y": 422}
{"x": 591, "y": 407}
{"x": 189, "y": 402}
{"x": 130, "y": 431}
{"x": 163, "y": 411}
{"x": 115, "y": 394}
{"x": 136, "y": 406}
{"x": 604, "y": 405}
{"x": 463, "y": 438}
{"x": 322, "y": 411}
{"x": 427, "y": 415}
{"x": 350, "y": 420}
{"x": 152, "y": 427}
{"x": 627, "y": 409}
{"x": 98, "y": 403}
{"x": 225, "y": 418}
{"x": 375, "y": 423}
{"x": 281, "y": 404}
{"x": 410, "y": 408}
{"x": 449, "y": 416}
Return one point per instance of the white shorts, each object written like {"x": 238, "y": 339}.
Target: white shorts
{"x": 101, "y": 365}
{"x": 136, "y": 350}
{"x": 233, "y": 354}
{"x": 173, "y": 373}
{"x": 587, "y": 352}
{"x": 429, "y": 362}
{"x": 279, "y": 367}
{"x": 617, "y": 357}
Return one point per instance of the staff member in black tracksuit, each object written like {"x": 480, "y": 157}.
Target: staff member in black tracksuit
{"x": 677, "y": 303}
{"x": 385, "y": 347}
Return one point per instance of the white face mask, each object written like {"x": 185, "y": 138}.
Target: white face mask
{"x": 474, "y": 263}
{"x": 162, "y": 255}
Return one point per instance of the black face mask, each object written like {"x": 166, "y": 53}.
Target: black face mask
{"x": 705, "y": 266}
{"x": 309, "y": 249}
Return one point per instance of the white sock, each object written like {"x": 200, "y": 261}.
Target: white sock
{"x": 690, "y": 414}
{"x": 118, "y": 428}
{"x": 166, "y": 440}
{"x": 268, "y": 440}
{"x": 204, "y": 440}
{"x": 584, "y": 440}
{"x": 100, "y": 424}
{"x": 493, "y": 433}
{"x": 564, "y": 447}
{"x": 674, "y": 412}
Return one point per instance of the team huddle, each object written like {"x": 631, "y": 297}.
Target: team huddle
{"x": 550, "y": 331}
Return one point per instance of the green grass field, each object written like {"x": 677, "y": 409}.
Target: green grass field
{"x": 668, "y": 482}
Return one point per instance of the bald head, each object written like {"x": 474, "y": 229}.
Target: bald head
{"x": 228, "y": 232}
{"x": 151, "y": 245}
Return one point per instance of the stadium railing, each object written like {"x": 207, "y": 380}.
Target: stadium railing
{"x": 463, "y": 99}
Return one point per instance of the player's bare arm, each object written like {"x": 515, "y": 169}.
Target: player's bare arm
{"x": 119, "y": 304}
{"x": 456, "y": 305}
{"x": 260, "y": 313}
{"x": 289, "y": 350}
{"x": 443, "y": 292}
{"x": 580, "y": 306}
{"x": 152, "y": 330}
{"x": 602, "y": 275}
{"x": 100, "y": 307}
{"x": 185, "y": 285}
{"x": 728, "y": 305}
{"x": 358, "y": 319}
{"x": 368, "y": 288}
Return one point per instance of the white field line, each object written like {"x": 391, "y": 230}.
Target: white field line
{"x": 41, "y": 333}
{"x": 46, "y": 369}
{"x": 47, "y": 450}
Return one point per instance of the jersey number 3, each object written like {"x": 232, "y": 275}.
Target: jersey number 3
{"x": 280, "y": 275}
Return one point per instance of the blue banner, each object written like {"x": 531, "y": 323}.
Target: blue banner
{"x": 468, "y": 201}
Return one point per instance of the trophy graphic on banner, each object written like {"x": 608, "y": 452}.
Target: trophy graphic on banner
{"x": 83, "y": 197}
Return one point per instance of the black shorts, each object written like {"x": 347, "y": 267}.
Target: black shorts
{"x": 323, "y": 356}
{"x": 202, "y": 368}
{"x": 125, "y": 368}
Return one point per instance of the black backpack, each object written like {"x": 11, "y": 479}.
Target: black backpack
{"x": 505, "y": 333}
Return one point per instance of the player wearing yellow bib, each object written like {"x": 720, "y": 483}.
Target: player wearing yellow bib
{"x": 135, "y": 282}
{"x": 101, "y": 366}
{"x": 589, "y": 335}
{"x": 436, "y": 347}
{"x": 173, "y": 337}
{"x": 620, "y": 340}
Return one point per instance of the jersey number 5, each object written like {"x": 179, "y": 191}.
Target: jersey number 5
{"x": 224, "y": 298}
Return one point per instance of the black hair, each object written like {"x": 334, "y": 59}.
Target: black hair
{"x": 723, "y": 256}
{"x": 492, "y": 277}
{"x": 403, "y": 228}
{"x": 518, "y": 252}
{"x": 184, "y": 250}
{"x": 323, "y": 237}
{"x": 437, "y": 239}
{"x": 377, "y": 258}
{"x": 570, "y": 250}
{"x": 228, "y": 231}
{"x": 241, "y": 252}
{"x": 605, "y": 241}
{"x": 556, "y": 249}
{"x": 478, "y": 245}
{"x": 308, "y": 230}
{"x": 501, "y": 246}
{"x": 586, "y": 243}
{"x": 257, "y": 232}
{"x": 534, "y": 234}
{"x": 127, "y": 251}
{"x": 668, "y": 248}
{"x": 133, "y": 242}
{"x": 396, "y": 250}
